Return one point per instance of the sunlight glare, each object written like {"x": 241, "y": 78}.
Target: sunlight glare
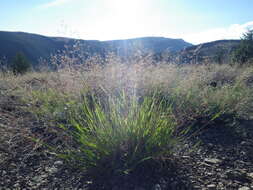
{"x": 126, "y": 16}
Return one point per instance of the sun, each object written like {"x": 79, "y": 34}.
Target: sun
{"x": 119, "y": 19}
{"x": 125, "y": 17}
{"x": 125, "y": 6}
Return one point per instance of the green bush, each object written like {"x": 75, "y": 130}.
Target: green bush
{"x": 20, "y": 64}
{"x": 244, "y": 52}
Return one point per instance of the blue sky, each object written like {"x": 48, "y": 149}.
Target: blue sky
{"x": 196, "y": 21}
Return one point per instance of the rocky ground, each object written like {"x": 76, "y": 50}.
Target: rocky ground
{"x": 223, "y": 158}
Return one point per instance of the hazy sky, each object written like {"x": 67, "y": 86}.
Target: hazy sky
{"x": 195, "y": 21}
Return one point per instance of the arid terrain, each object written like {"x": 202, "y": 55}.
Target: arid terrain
{"x": 212, "y": 128}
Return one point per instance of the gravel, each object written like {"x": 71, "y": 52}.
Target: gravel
{"x": 222, "y": 160}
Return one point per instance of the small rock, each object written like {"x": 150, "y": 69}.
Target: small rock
{"x": 244, "y": 188}
{"x": 43, "y": 176}
{"x": 16, "y": 185}
{"x": 58, "y": 163}
{"x": 211, "y": 186}
{"x": 236, "y": 175}
{"x": 51, "y": 170}
{"x": 250, "y": 175}
{"x": 36, "y": 180}
{"x": 244, "y": 134}
{"x": 212, "y": 161}
{"x": 157, "y": 187}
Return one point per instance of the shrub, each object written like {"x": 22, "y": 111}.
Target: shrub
{"x": 244, "y": 52}
{"x": 20, "y": 64}
{"x": 219, "y": 56}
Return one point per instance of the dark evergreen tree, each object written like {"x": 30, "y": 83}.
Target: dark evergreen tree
{"x": 219, "y": 56}
{"x": 244, "y": 52}
{"x": 20, "y": 64}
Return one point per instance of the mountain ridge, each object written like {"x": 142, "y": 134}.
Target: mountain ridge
{"x": 36, "y": 46}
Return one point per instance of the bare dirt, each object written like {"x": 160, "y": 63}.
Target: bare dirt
{"x": 223, "y": 158}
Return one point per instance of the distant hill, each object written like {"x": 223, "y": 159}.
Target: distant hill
{"x": 146, "y": 45}
{"x": 37, "y": 46}
{"x": 174, "y": 50}
{"x": 216, "y": 51}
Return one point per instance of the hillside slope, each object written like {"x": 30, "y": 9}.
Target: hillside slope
{"x": 216, "y": 51}
{"x": 146, "y": 45}
{"x": 36, "y": 46}
{"x": 32, "y": 45}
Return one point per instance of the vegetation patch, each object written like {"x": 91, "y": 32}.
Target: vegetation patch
{"x": 113, "y": 123}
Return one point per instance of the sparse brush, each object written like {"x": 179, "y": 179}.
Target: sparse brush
{"x": 122, "y": 115}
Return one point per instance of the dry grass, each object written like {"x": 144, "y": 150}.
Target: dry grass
{"x": 190, "y": 83}
{"x": 172, "y": 95}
